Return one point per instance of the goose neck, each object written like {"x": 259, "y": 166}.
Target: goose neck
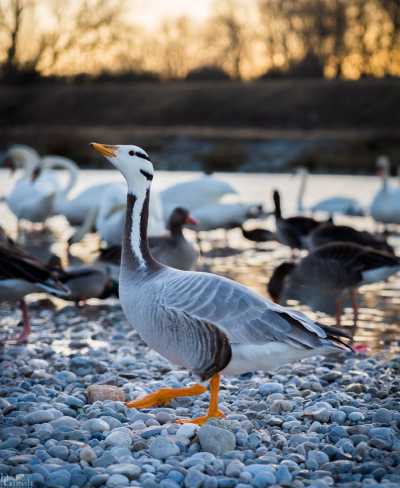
{"x": 135, "y": 249}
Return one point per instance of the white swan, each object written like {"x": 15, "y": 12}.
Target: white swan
{"x": 112, "y": 210}
{"x": 385, "y": 206}
{"x": 194, "y": 194}
{"x": 333, "y": 205}
{"x": 21, "y": 156}
{"x": 79, "y": 208}
{"x": 225, "y": 215}
{"x": 32, "y": 197}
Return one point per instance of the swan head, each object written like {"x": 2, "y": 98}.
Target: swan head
{"x": 132, "y": 161}
{"x": 382, "y": 165}
{"x": 20, "y": 155}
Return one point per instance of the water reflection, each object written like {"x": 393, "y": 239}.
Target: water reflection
{"x": 71, "y": 328}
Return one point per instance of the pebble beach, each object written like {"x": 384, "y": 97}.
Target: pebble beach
{"x": 319, "y": 423}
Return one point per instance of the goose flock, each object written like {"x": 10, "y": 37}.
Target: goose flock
{"x": 204, "y": 322}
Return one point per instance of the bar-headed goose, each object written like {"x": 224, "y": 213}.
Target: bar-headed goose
{"x": 204, "y": 322}
{"x": 292, "y": 231}
{"x": 321, "y": 278}
{"x": 22, "y": 274}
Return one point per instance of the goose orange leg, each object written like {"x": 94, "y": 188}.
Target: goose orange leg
{"x": 165, "y": 395}
{"x": 213, "y": 410}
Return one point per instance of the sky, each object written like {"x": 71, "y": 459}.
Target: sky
{"x": 150, "y": 12}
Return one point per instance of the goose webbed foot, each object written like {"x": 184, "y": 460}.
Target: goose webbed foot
{"x": 203, "y": 419}
{"x": 165, "y": 395}
{"x": 213, "y": 410}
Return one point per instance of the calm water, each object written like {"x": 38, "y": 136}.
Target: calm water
{"x": 379, "y": 325}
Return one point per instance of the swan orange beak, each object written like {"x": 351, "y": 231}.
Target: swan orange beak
{"x": 104, "y": 149}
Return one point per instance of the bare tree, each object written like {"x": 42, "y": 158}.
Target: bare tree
{"x": 11, "y": 16}
{"x": 76, "y": 31}
{"x": 228, "y": 32}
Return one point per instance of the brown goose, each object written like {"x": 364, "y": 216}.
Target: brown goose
{"x": 22, "y": 274}
{"x": 326, "y": 234}
{"x": 293, "y": 231}
{"x": 204, "y": 322}
{"x": 174, "y": 249}
{"x": 328, "y": 272}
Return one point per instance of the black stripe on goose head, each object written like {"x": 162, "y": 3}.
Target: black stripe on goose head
{"x": 147, "y": 175}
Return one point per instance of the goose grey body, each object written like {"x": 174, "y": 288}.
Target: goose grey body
{"x": 201, "y": 321}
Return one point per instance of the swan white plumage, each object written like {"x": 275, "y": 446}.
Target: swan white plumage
{"x": 194, "y": 194}
{"x": 32, "y": 198}
{"x": 333, "y": 205}
{"x": 385, "y": 206}
{"x": 225, "y": 215}
{"x": 80, "y": 207}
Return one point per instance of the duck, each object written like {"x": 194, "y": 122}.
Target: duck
{"x": 293, "y": 231}
{"x": 323, "y": 276}
{"x": 22, "y": 274}
{"x": 204, "y": 322}
{"x": 84, "y": 281}
{"x": 332, "y": 205}
{"x": 329, "y": 233}
{"x": 195, "y": 194}
{"x": 385, "y": 206}
{"x": 171, "y": 249}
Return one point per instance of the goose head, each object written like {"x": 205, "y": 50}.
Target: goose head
{"x": 132, "y": 161}
{"x": 180, "y": 217}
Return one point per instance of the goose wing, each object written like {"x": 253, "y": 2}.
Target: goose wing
{"x": 244, "y": 316}
{"x": 16, "y": 264}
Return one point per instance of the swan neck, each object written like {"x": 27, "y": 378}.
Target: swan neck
{"x": 29, "y": 163}
{"x": 72, "y": 177}
{"x": 385, "y": 178}
{"x": 302, "y": 190}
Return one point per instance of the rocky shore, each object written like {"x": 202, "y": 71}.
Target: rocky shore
{"x": 319, "y": 423}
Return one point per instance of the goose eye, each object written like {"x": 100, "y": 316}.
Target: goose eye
{"x": 131, "y": 153}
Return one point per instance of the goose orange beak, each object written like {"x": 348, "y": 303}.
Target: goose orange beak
{"x": 104, "y": 149}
